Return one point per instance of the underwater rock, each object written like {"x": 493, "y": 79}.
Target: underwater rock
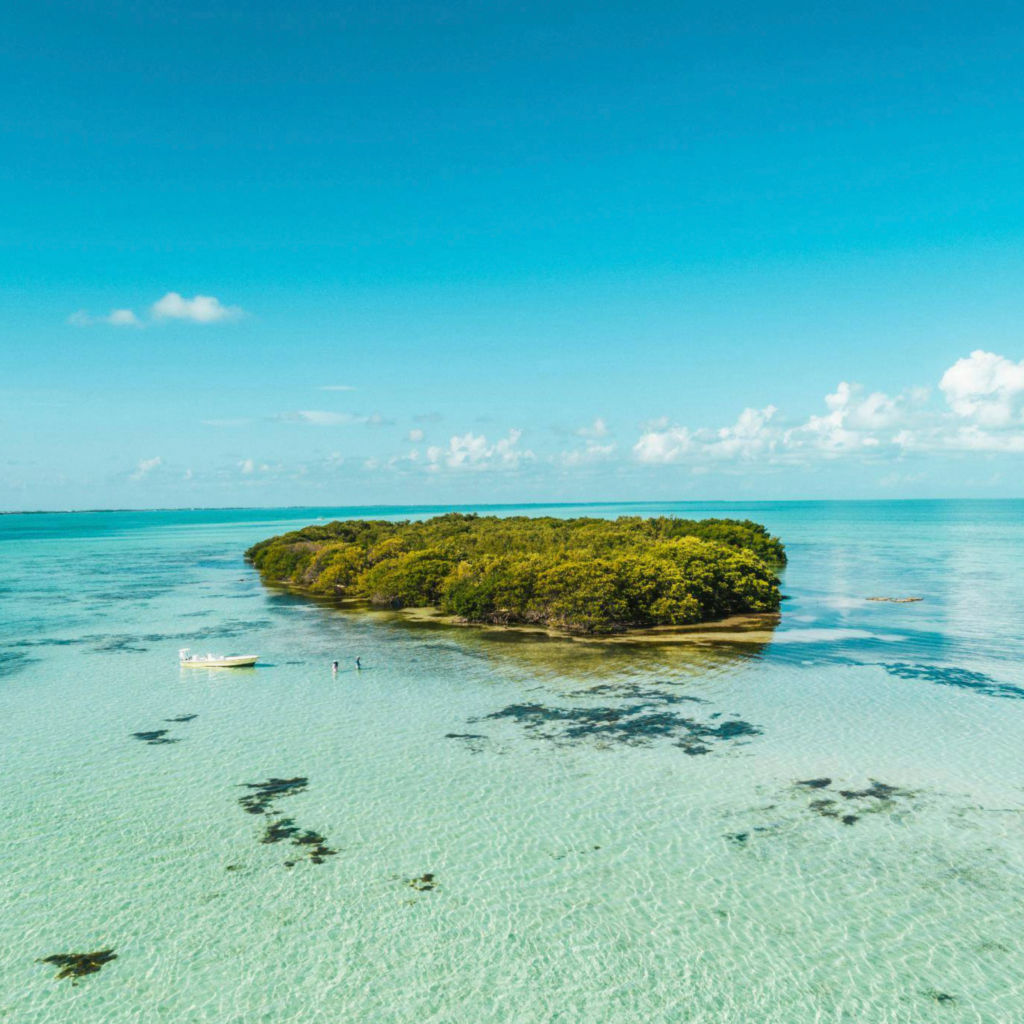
{"x": 630, "y": 724}
{"x": 877, "y": 790}
{"x": 474, "y": 742}
{"x": 77, "y": 965}
{"x": 881, "y": 793}
{"x": 261, "y": 801}
{"x": 181, "y": 718}
{"x": 319, "y": 848}
{"x": 939, "y": 997}
{"x": 425, "y": 882}
{"x": 693, "y": 748}
{"x": 826, "y": 808}
{"x": 961, "y": 678}
{"x": 154, "y": 737}
{"x": 280, "y": 829}
{"x": 634, "y": 691}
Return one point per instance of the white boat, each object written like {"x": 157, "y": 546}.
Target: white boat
{"x": 187, "y": 658}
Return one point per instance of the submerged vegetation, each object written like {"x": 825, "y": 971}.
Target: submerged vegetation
{"x": 263, "y": 800}
{"x": 77, "y": 965}
{"x": 579, "y": 575}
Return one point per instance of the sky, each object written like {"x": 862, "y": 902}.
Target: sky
{"x": 425, "y": 253}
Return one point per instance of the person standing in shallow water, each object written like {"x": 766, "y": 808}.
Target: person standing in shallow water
{"x": 359, "y": 663}
{"x": 334, "y": 667}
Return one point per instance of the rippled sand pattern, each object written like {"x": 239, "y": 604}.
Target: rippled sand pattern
{"x": 473, "y": 828}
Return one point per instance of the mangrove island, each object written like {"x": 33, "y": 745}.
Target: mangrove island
{"x": 580, "y": 576}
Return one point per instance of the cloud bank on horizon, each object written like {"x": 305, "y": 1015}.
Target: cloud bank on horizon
{"x": 977, "y": 408}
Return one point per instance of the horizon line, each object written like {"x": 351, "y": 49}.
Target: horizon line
{"x": 492, "y": 505}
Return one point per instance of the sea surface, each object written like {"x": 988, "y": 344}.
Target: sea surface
{"x": 480, "y": 827}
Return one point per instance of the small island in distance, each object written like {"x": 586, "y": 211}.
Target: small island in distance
{"x": 582, "y": 576}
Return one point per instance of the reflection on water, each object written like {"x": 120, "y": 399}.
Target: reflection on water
{"x": 824, "y": 824}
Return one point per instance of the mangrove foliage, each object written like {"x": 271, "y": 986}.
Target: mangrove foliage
{"x": 577, "y": 575}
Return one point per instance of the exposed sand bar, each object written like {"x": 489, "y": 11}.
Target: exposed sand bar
{"x": 738, "y": 629}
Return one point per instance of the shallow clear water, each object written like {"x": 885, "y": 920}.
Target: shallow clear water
{"x": 609, "y": 834}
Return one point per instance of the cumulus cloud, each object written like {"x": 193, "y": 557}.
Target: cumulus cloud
{"x": 146, "y": 466}
{"x": 984, "y": 395}
{"x": 842, "y": 429}
{"x": 752, "y": 436}
{"x": 123, "y": 318}
{"x": 590, "y": 453}
{"x": 596, "y": 429}
{"x": 983, "y": 413}
{"x": 850, "y": 425}
{"x": 670, "y": 444}
{"x": 115, "y": 318}
{"x": 200, "y": 309}
{"x": 474, "y": 451}
{"x": 986, "y": 388}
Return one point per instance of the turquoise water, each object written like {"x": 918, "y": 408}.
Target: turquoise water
{"x": 499, "y": 829}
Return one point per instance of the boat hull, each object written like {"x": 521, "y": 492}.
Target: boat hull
{"x": 238, "y": 661}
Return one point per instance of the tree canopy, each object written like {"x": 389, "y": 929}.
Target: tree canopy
{"x": 580, "y": 575}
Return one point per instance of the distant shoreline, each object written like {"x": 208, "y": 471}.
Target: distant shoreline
{"x": 470, "y": 506}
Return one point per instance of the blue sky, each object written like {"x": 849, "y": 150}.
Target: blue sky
{"x": 342, "y": 254}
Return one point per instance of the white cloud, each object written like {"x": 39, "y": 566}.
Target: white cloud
{"x": 987, "y": 388}
{"x": 985, "y": 392}
{"x": 750, "y": 437}
{"x": 658, "y": 423}
{"x": 837, "y": 432}
{"x": 597, "y": 429}
{"x": 202, "y": 309}
{"x": 247, "y": 466}
{"x": 325, "y": 418}
{"x": 416, "y": 435}
{"x": 975, "y": 439}
{"x": 147, "y": 466}
{"x": 861, "y": 424}
{"x": 320, "y": 417}
{"x": 115, "y": 318}
{"x": 474, "y": 451}
{"x": 592, "y": 452}
{"x": 664, "y": 446}
{"x": 123, "y": 318}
